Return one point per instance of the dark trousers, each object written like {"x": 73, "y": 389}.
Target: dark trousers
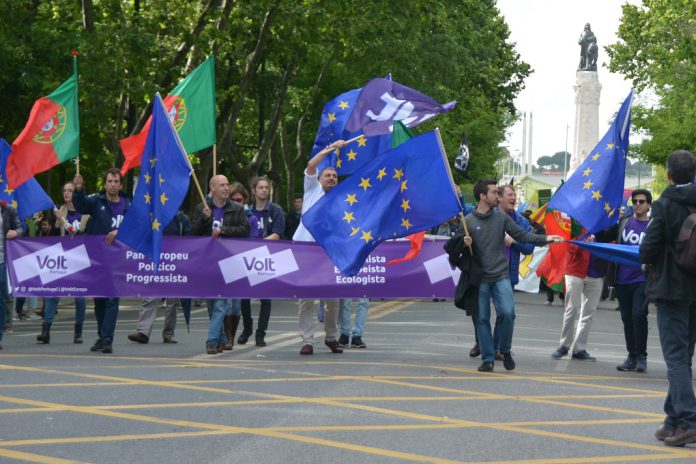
{"x": 264, "y": 317}
{"x": 677, "y": 325}
{"x": 106, "y": 312}
{"x": 634, "y": 317}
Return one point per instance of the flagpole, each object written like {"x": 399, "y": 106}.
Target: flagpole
{"x": 214, "y": 159}
{"x": 74, "y": 54}
{"x": 449, "y": 174}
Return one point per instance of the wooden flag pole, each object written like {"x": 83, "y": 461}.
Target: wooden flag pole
{"x": 214, "y": 159}
{"x": 354, "y": 139}
{"x": 74, "y": 54}
{"x": 77, "y": 164}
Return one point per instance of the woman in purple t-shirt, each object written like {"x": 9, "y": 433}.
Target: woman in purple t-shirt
{"x": 630, "y": 286}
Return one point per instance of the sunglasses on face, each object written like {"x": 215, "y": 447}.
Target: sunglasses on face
{"x": 639, "y": 202}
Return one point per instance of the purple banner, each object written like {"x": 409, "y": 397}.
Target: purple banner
{"x": 202, "y": 267}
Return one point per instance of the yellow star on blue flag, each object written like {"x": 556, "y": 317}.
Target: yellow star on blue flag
{"x": 357, "y": 215}
{"x": 156, "y": 203}
{"x": 595, "y": 190}
{"x": 27, "y": 198}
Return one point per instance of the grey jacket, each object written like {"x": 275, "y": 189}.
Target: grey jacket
{"x": 488, "y": 234}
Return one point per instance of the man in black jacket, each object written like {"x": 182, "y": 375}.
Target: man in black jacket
{"x": 107, "y": 210}
{"x": 221, "y": 217}
{"x": 11, "y": 228}
{"x": 673, "y": 290}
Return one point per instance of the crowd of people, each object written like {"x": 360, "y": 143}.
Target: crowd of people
{"x": 495, "y": 232}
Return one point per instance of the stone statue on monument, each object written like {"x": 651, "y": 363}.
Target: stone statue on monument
{"x": 588, "y": 50}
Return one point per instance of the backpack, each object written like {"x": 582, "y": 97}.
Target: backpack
{"x": 685, "y": 243}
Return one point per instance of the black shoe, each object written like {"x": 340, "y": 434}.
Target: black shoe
{"x": 356, "y": 342}
{"x": 508, "y": 362}
{"x": 486, "y": 367}
{"x": 681, "y": 437}
{"x": 107, "y": 347}
{"x": 641, "y": 363}
{"x": 560, "y": 352}
{"x": 138, "y": 337}
{"x": 344, "y": 340}
{"x": 77, "y": 336}
{"x": 475, "y": 351}
{"x": 333, "y": 346}
{"x": 244, "y": 337}
{"x": 583, "y": 356}
{"x": 98, "y": 346}
{"x": 628, "y": 365}
{"x": 260, "y": 340}
{"x": 45, "y": 336}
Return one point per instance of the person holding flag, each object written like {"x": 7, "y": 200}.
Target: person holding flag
{"x": 107, "y": 210}
{"x": 11, "y": 228}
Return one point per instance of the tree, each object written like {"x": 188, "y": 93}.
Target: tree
{"x": 657, "y": 51}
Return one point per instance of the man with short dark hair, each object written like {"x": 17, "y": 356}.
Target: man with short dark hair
{"x": 488, "y": 227}
{"x": 673, "y": 289}
{"x": 107, "y": 210}
{"x": 293, "y": 218}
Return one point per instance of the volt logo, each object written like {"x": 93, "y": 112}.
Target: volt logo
{"x": 397, "y": 110}
{"x": 439, "y": 269}
{"x": 51, "y": 263}
{"x": 631, "y": 237}
{"x": 258, "y": 265}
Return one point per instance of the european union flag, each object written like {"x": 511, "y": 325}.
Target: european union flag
{"x": 403, "y": 191}
{"x": 29, "y": 197}
{"x": 164, "y": 180}
{"x": 331, "y": 128}
{"x": 593, "y": 194}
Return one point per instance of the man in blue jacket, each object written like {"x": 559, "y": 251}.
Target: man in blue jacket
{"x": 107, "y": 210}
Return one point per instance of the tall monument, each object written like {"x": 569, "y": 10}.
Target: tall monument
{"x": 587, "y": 92}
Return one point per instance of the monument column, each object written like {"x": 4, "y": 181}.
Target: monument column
{"x": 587, "y": 92}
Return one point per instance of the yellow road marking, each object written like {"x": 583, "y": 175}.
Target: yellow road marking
{"x": 31, "y": 457}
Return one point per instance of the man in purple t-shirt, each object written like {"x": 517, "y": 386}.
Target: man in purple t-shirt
{"x": 630, "y": 285}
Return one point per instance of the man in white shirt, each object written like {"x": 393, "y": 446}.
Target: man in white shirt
{"x": 315, "y": 186}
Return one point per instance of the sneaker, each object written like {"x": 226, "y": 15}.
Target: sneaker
{"x": 475, "y": 351}
{"x": 357, "y": 342}
{"x": 98, "y": 346}
{"x": 344, "y": 340}
{"x": 9, "y": 329}
{"x": 486, "y": 367}
{"x": 508, "y": 362}
{"x": 665, "y": 431}
{"x": 583, "y": 356}
{"x": 33, "y": 317}
{"x": 107, "y": 347}
{"x": 498, "y": 356}
{"x": 169, "y": 339}
{"x": 641, "y": 363}
{"x": 138, "y": 337}
{"x": 307, "y": 350}
{"x": 560, "y": 352}
{"x": 628, "y": 365}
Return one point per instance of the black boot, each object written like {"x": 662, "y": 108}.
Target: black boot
{"x": 227, "y": 325}
{"x": 45, "y": 336}
{"x": 77, "y": 337}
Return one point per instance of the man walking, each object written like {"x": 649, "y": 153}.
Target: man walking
{"x": 11, "y": 228}
{"x": 221, "y": 217}
{"x": 673, "y": 289}
{"x": 315, "y": 186}
{"x": 488, "y": 227}
{"x": 107, "y": 210}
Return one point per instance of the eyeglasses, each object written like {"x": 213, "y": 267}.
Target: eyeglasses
{"x": 639, "y": 202}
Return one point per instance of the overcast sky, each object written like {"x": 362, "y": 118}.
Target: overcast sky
{"x": 546, "y": 34}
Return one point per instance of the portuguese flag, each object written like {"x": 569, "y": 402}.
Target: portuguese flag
{"x": 51, "y": 136}
{"x": 191, "y": 107}
{"x": 552, "y": 268}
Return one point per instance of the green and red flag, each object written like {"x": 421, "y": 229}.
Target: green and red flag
{"x": 552, "y": 268}
{"x": 51, "y": 136}
{"x": 191, "y": 107}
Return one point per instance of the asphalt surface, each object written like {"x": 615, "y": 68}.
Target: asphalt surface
{"x": 413, "y": 395}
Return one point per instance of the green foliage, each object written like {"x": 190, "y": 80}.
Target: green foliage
{"x": 310, "y": 51}
{"x": 657, "y": 50}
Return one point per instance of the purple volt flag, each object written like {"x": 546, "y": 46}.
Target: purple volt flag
{"x": 383, "y": 101}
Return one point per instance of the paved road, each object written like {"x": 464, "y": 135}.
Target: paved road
{"x": 413, "y": 395}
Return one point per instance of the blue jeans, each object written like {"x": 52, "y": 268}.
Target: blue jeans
{"x": 677, "y": 325}
{"x": 217, "y": 310}
{"x": 345, "y": 312}
{"x": 106, "y": 312}
{"x": 51, "y": 308}
{"x": 504, "y": 303}
{"x": 3, "y": 297}
{"x": 635, "y": 319}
